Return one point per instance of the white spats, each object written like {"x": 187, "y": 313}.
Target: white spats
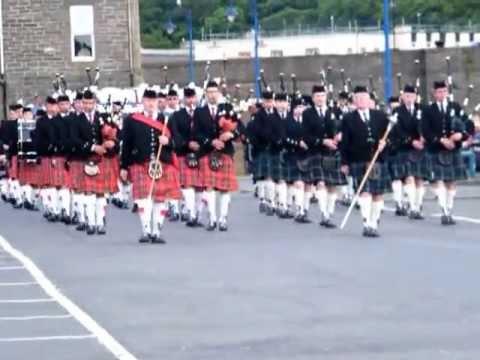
{"x": 100, "y": 211}
{"x": 189, "y": 199}
{"x": 450, "y": 199}
{"x": 441, "y": 192}
{"x": 299, "y": 201}
{"x": 211, "y": 205}
{"x": 270, "y": 193}
{"x": 145, "y": 208}
{"x": 282, "y": 195}
{"x": 397, "y": 188}
{"x": 410, "y": 190}
{"x": 90, "y": 209}
{"x": 158, "y": 217}
{"x": 365, "y": 203}
{"x": 376, "y": 212}
{"x": 331, "y": 202}
{"x": 225, "y": 199}
{"x": 64, "y": 200}
{"x": 322, "y": 197}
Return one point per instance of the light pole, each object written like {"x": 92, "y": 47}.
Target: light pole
{"x": 256, "y": 59}
{"x": 387, "y": 60}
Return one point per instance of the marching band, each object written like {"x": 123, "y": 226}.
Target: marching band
{"x": 174, "y": 155}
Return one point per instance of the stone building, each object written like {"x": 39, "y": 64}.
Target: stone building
{"x": 43, "y": 37}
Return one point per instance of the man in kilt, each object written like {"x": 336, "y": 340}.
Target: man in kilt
{"x": 296, "y": 167}
{"x": 408, "y": 161}
{"x": 322, "y": 140}
{"x": 362, "y": 134}
{"x": 186, "y": 149}
{"x": 444, "y": 128}
{"x": 95, "y": 176}
{"x": 260, "y": 135}
{"x": 215, "y": 129}
{"x": 153, "y": 182}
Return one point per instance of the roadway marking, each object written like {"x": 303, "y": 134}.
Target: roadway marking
{"x": 461, "y": 218}
{"x": 7, "y": 268}
{"x": 107, "y": 340}
{"x": 26, "y": 301}
{"x": 35, "y": 317}
{"x": 25, "y": 283}
{"x": 47, "y": 338}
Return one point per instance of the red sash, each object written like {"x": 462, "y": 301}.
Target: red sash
{"x": 152, "y": 123}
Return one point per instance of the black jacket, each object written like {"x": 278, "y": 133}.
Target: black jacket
{"x": 318, "y": 129}
{"x": 140, "y": 142}
{"x": 295, "y": 132}
{"x": 436, "y": 125}
{"x": 61, "y": 134}
{"x": 83, "y": 135}
{"x": 45, "y": 136}
{"x": 360, "y": 140}
{"x": 10, "y": 136}
{"x": 260, "y": 132}
{"x": 183, "y": 123}
{"x": 407, "y": 129}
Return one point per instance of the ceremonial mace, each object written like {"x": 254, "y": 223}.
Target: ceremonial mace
{"x": 157, "y": 171}
{"x": 391, "y": 123}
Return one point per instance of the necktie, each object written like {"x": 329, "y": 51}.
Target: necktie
{"x": 212, "y": 112}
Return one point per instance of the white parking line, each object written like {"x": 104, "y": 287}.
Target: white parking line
{"x": 461, "y": 218}
{"x": 26, "y": 301}
{"x": 36, "y": 317}
{"x": 48, "y": 338}
{"x": 25, "y": 283}
{"x": 107, "y": 340}
{"x": 7, "y": 268}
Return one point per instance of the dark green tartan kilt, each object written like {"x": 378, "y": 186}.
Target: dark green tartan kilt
{"x": 332, "y": 174}
{"x": 276, "y": 165}
{"x": 261, "y": 166}
{"x": 292, "y": 172}
{"x": 410, "y": 163}
{"x": 379, "y": 182}
{"x": 455, "y": 171}
{"x": 316, "y": 168}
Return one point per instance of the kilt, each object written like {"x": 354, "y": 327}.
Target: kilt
{"x": 188, "y": 177}
{"x": 29, "y": 173}
{"x": 275, "y": 166}
{"x": 13, "y": 168}
{"x": 166, "y": 188}
{"x": 453, "y": 172}
{"x": 332, "y": 174}
{"x": 405, "y": 164}
{"x": 58, "y": 175}
{"x": 106, "y": 182}
{"x": 379, "y": 181}
{"x": 44, "y": 172}
{"x": 292, "y": 172}
{"x": 224, "y": 179}
{"x": 77, "y": 174}
{"x": 261, "y": 166}
{"x": 316, "y": 168}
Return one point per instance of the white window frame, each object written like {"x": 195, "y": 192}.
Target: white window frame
{"x": 89, "y": 32}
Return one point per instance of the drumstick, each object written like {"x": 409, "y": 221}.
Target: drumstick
{"x": 393, "y": 121}
{"x": 157, "y": 159}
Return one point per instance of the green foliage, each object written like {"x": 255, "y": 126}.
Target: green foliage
{"x": 209, "y": 15}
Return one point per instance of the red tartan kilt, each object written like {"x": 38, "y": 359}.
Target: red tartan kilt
{"x": 188, "y": 177}
{"x": 44, "y": 172}
{"x": 13, "y": 168}
{"x": 59, "y": 176}
{"x": 106, "y": 181}
{"x": 224, "y": 179}
{"x": 166, "y": 188}
{"x": 29, "y": 173}
{"x": 77, "y": 174}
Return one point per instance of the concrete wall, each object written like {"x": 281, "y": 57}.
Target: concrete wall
{"x": 37, "y": 45}
{"x": 465, "y": 67}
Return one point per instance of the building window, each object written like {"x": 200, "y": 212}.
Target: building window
{"x": 472, "y": 37}
{"x": 82, "y": 33}
{"x": 457, "y": 37}
{"x": 276, "y": 53}
{"x": 312, "y": 51}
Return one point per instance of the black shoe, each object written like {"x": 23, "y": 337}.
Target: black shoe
{"x": 282, "y": 214}
{"x": 262, "y": 208}
{"x": 81, "y": 227}
{"x": 53, "y": 218}
{"x": 290, "y": 214}
{"x": 444, "y": 220}
{"x": 184, "y": 217}
{"x": 399, "y": 210}
{"x": 193, "y": 222}
{"x": 67, "y": 220}
{"x": 144, "y": 239}
{"x": 124, "y": 205}
{"x": 328, "y": 224}
{"x": 451, "y": 221}
{"x": 157, "y": 239}
{"x": 211, "y": 226}
{"x": 374, "y": 233}
{"x": 366, "y": 232}
{"x": 270, "y": 211}
{"x": 223, "y": 227}
{"x": 4, "y": 198}
{"x": 135, "y": 208}
{"x": 74, "y": 220}
{"x": 17, "y": 205}
{"x": 91, "y": 230}
{"x": 101, "y": 230}
{"x": 174, "y": 217}
{"x": 302, "y": 219}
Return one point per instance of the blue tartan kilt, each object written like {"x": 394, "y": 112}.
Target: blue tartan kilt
{"x": 410, "y": 163}
{"x": 276, "y": 165}
{"x": 454, "y": 171}
{"x": 332, "y": 174}
{"x": 379, "y": 182}
{"x": 316, "y": 168}
{"x": 292, "y": 172}
{"x": 261, "y": 166}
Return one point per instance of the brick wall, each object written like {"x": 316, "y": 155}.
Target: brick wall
{"x": 37, "y": 45}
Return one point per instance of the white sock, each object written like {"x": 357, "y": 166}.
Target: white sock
{"x": 322, "y": 197}
{"x": 299, "y": 201}
{"x": 261, "y": 189}
{"x": 350, "y": 190}
{"x": 450, "y": 200}
{"x": 419, "y": 194}
{"x": 211, "y": 205}
{"x": 175, "y": 206}
{"x": 17, "y": 191}
{"x": 442, "y": 197}
{"x": 82, "y": 217}
{"x": 90, "y": 209}
{"x": 397, "y": 191}
{"x": 306, "y": 200}
{"x": 27, "y": 191}
{"x": 377, "y": 207}
{"x": 332, "y": 200}
{"x": 159, "y": 213}
{"x": 225, "y": 199}
{"x": 410, "y": 190}
{"x": 189, "y": 198}
{"x": 145, "y": 208}
{"x": 282, "y": 195}
{"x": 290, "y": 195}
{"x": 365, "y": 203}
{"x": 270, "y": 192}
{"x": 201, "y": 201}
{"x": 65, "y": 198}
{"x": 100, "y": 208}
